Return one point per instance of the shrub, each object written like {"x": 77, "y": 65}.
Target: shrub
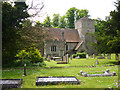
{"x": 81, "y": 55}
{"x": 32, "y": 55}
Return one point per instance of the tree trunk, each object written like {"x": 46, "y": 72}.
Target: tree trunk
{"x": 117, "y": 56}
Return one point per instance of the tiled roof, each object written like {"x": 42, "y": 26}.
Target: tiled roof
{"x": 78, "y": 45}
{"x": 70, "y": 35}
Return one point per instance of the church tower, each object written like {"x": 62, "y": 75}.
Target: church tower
{"x": 85, "y": 28}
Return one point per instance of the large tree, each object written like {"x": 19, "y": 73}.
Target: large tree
{"x": 12, "y": 19}
{"x": 55, "y": 20}
{"x": 63, "y": 22}
{"x": 47, "y": 22}
{"x": 108, "y": 33}
{"x": 74, "y": 14}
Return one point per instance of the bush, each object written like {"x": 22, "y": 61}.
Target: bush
{"x": 32, "y": 55}
{"x": 81, "y": 55}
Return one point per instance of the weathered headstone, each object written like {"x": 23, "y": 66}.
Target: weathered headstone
{"x": 64, "y": 58}
{"x": 87, "y": 56}
{"x": 71, "y": 57}
{"x": 67, "y": 58}
{"x": 109, "y": 56}
{"x": 56, "y": 80}
{"x": 45, "y": 57}
{"x": 104, "y": 55}
{"x": 97, "y": 62}
{"x": 24, "y": 74}
{"x": 10, "y": 83}
{"x": 48, "y": 58}
{"x": 93, "y": 56}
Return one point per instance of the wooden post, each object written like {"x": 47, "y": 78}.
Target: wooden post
{"x": 24, "y": 74}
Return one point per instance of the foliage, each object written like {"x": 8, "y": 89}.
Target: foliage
{"x": 108, "y": 32}
{"x": 81, "y": 55}
{"x": 47, "y": 22}
{"x": 63, "y": 22}
{"x": 74, "y": 14}
{"x": 55, "y": 20}
{"x": 12, "y": 19}
{"x": 27, "y": 56}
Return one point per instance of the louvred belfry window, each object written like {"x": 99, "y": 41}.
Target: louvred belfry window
{"x": 53, "y": 48}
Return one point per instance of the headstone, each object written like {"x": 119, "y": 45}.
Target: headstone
{"x": 87, "y": 56}
{"x": 64, "y": 58}
{"x": 97, "y": 62}
{"x": 93, "y": 56}
{"x": 104, "y": 55}
{"x": 48, "y": 58}
{"x": 10, "y": 83}
{"x": 56, "y": 80}
{"x": 109, "y": 56}
{"x": 67, "y": 58}
{"x": 24, "y": 74}
{"x": 71, "y": 57}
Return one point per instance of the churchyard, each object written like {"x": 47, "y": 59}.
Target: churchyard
{"x": 72, "y": 69}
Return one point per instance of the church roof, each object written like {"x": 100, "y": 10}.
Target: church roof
{"x": 70, "y": 35}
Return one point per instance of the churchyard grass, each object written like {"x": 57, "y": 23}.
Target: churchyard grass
{"x": 71, "y": 69}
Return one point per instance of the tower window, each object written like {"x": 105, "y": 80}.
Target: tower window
{"x": 53, "y": 48}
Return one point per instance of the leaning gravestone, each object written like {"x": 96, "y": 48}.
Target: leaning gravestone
{"x": 71, "y": 57}
{"x": 10, "y": 83}
{"x": 56, "y": 80}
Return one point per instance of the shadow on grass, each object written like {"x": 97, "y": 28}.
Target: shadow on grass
{"x": 114, "y": 63}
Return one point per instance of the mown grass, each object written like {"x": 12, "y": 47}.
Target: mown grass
{"x": 72, "y": 69}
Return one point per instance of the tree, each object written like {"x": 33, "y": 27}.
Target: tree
{"x": 12, "y": 19}
{"x": 74, "y": 14}
{"x": 108, "y": 33}
{"x": 55, "y": 20}
{"x": 47, "y": 22}
{"x": 38, "y": 24}
{"x": 63, "y": 22}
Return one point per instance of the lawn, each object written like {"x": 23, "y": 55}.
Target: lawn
{"x": 71, "y": 69}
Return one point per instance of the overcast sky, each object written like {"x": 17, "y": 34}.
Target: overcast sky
{"x": 96, "y": 8}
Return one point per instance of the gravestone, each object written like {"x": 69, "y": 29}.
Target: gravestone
{"x": 104, "y": 55}
{"x": 93, "y": 56}
{"x": 109, "y": 56}
{"x": 106, "y": 73}
{"x": 48, "y": 58}
{"x": 10, "y": 83}
{"x": 71, "y": 57}
{"x": 56, "y": 80}
{"x": 87, "y": 56}
{"x": 97, "y": 62}
{"x": 67, "y": 58}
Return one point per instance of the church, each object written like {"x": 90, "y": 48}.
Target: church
{"x": 70, "y": 41}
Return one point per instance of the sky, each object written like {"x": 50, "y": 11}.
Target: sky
{"x": 96, "y": 8}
